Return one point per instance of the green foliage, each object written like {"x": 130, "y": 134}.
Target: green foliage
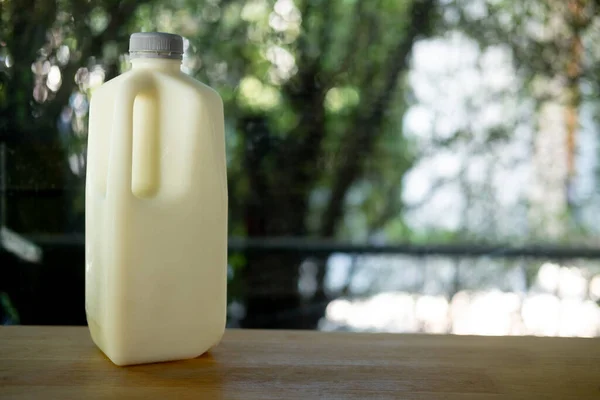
{"x": 315, "y": 96}
{"x": 11, "y": 316}
{"x": 313, "y": 92}
{"x": 309, "y": 71}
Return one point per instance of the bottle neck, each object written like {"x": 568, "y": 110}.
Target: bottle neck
{"x": 163, "y": 64}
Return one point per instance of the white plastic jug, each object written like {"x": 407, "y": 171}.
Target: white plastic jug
{"x": 156, "y": 210}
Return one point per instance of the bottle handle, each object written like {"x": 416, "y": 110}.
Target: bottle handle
{"x": 120, "y": 155}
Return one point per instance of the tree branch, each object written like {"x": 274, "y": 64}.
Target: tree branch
{"x": 389, "y": 211}
{"x": 350, "y": 52}
{"x": 325, "y": 37}
{"x": 368, "y": 125}
{"x": 304, "y": 40}
{"x": 306, "y": 96}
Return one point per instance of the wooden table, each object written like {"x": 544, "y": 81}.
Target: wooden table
{"x": 62, "y": 363}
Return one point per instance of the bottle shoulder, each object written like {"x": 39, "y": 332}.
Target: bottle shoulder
{"x": 204, "y": 92}
{"x": 107, "y": 88}
{"x": 173, "y": 86}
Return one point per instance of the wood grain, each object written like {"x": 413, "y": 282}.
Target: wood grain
{"x": 62, "y": 363}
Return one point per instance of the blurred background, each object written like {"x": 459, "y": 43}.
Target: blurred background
{"x": 394, "y": 165}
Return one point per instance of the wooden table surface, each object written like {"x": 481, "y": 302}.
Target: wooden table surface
{"x": 62, "y": 363}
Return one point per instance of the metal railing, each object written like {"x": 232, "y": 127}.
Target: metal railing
{"x": 325, "y": 247}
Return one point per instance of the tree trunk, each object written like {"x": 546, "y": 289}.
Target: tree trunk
{"x": 282, "y": 175}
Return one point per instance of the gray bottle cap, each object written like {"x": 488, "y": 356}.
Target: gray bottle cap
{"x": 155, "y": 45}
